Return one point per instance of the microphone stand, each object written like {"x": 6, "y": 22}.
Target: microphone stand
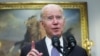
{"x": 66, "y": 51}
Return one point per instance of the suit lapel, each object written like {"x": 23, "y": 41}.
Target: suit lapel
{"x": 41, "y": 46}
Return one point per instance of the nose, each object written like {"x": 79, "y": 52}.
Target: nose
{"x": 55, "y": 21}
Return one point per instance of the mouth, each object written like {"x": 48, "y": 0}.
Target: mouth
{"x": 56, "y": 29}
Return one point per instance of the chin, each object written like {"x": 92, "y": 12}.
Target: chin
{"x": 57, "y": 34}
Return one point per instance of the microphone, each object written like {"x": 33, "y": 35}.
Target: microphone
{"x": 56, "y": 43}
{"x": 71, "y": 41}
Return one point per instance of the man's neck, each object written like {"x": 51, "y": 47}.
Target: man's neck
{"x": 53, "y": 36}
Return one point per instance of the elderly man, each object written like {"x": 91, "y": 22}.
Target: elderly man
{"x": 53, "y": 21}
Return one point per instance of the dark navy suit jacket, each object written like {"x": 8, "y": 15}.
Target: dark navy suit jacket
{"x": 41, "y": 47}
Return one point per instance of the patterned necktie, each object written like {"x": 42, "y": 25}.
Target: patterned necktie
{"x": 54, "y": 52}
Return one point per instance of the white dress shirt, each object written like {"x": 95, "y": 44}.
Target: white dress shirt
{"x": 49, "y": 44}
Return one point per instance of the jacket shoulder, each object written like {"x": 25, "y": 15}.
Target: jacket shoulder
{"x": 79, "y": 51}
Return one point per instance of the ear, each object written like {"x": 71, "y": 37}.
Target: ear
{"x": 41, "y": 22}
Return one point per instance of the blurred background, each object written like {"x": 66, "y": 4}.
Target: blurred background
{"x": 93, "y": 23}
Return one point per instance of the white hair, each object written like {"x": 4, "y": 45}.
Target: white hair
{"x": 50, "y": 5}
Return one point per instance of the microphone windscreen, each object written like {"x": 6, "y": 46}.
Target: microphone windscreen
{"x": 71, "y": 40}
{"x": 55, "y": 41}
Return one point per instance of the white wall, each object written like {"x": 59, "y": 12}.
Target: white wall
{"x": 93, "y": 19}
{"x": 94, "y": 25}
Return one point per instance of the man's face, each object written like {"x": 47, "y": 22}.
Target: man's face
{"x": 53, "y": 22}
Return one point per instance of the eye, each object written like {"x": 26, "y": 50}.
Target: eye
{"x": 50, "y": 18}
{"x": 59, "y": 17}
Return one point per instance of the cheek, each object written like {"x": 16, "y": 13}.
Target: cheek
{"x": 62, "y": 24}
{"x": 45, "y": 25}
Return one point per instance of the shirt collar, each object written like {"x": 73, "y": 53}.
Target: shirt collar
{"x": 49, "y": 42}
